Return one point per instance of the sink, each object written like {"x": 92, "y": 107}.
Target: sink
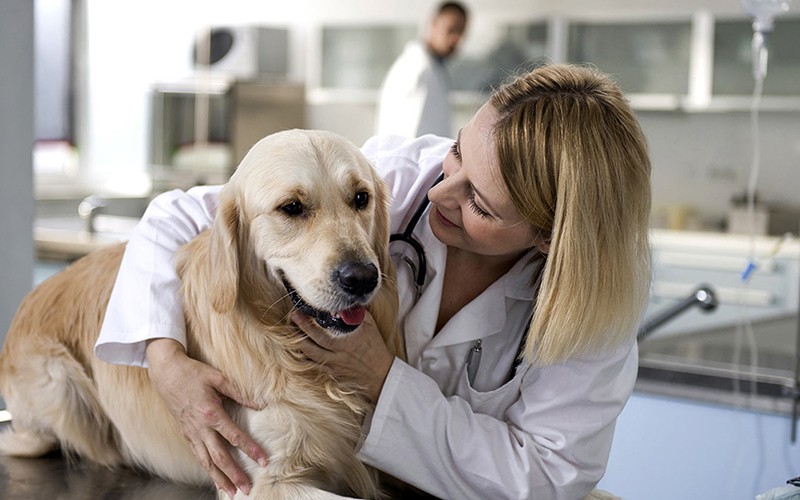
{"x": 65, "y": 238}
{"x": 720, "y": 365}
{"x": 61, "y": 228}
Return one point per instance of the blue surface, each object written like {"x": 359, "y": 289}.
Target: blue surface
{"x": 44, "y": 269}
{"x": 668, "y": 449}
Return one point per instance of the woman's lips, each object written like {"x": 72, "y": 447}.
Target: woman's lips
{"x": 444, "y": 220}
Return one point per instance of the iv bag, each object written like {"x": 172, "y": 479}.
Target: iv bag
{"x": 764, "y": 12}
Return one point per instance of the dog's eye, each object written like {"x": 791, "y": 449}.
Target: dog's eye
{"x": 293, "y": 208}
{"x": 361, "y": 200}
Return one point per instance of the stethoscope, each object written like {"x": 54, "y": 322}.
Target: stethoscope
{"x": 419, "y": 271}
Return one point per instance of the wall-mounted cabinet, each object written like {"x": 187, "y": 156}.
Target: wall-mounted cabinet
{"x": 515, "y": 47}
{"x": 693, "y": 62}
{"x": 358, "y": 57}
{"x": 347, "y": 63}
{"x": 733, "y": 57}
{"x": 645, "y": 58}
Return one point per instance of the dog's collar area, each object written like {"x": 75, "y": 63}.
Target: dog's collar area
{"x": 325, "y": 319}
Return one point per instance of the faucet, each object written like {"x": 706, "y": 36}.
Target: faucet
{"x": 703, "y": 297}
{"x": 88, "y": 210}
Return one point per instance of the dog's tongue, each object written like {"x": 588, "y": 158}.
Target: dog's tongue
{"x": 353, "y": 316}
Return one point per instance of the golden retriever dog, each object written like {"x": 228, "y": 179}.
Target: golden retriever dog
{"x": 302, "y": 223}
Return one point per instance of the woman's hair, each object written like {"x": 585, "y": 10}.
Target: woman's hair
{"x": 575, "y": 162}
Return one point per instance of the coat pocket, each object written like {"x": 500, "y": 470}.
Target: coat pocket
{"x": 493, "y": 402}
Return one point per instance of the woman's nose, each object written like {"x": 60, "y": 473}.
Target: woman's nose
{"x": 442, "y": 193}
{"x": 433, "y": 193}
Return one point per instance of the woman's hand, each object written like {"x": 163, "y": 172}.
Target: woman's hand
{"x": 360, "y": 357}
{"x": 194, "y": 393}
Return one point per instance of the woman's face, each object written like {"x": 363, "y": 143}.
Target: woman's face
{"x": 471, "y": 209}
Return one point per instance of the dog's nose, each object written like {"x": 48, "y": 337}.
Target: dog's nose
{"x": 357, "y": 278}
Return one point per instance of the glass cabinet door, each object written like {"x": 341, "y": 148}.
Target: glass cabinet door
{"x": 358, "y": 57}
{"x": 643, "y": 57}
{"x": 733, "y": 58}
{"x": 519, "y": 47}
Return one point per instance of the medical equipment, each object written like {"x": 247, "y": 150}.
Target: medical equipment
{"x": 763, "y": 12}
{"x": 418, "y": 270}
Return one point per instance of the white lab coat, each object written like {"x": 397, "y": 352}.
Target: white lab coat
{"x": 414, "y": 97}
{"x": 544, "y": 434}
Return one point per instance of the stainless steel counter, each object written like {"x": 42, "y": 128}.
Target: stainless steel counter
{"x": 64, "y": 239}
{"x": 56, "y": 477}
{"x": 718, "y": 366}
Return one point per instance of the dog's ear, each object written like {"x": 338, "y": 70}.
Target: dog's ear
{"x": 224, "y": 255}
{"x": 380, "y": 243}
{"x": 384, "y": 307}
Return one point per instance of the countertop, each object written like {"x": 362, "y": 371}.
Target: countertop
{"x": 65, "y": 238}
{"x": 730, "y": 366}
{"x": 743, "y": 353}
{"x": 55, "y": 477}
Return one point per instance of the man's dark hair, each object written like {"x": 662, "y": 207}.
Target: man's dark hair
{"x": 454, "y": 6}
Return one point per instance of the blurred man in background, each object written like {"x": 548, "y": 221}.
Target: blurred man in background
{"x": 414, "y": 99}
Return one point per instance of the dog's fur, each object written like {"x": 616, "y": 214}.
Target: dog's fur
{"x": 294, "y": 211}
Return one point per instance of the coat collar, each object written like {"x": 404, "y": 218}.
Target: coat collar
{"x": 481, "y": 318}
{"x": 486, "y": 314}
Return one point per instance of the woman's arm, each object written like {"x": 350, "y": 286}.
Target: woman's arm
{"x": 144, "y": 326}
{"x": 147, "y": 277}
{"x": 551, "y": 442}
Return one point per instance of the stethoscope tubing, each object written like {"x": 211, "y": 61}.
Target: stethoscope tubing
{"x": 407, "y": 236}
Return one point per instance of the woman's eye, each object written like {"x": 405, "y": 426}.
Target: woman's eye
{"x": 456, "y": 151}
{"x": 478, "y": 210}
{"x": 293, "y": 208}
{"x": 361, "y": 200}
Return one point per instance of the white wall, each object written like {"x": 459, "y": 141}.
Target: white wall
{"x": 703, "y": 159}
{"x": 16, "y": 139}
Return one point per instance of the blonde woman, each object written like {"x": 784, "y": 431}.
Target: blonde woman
{"x": 521, "y": 341}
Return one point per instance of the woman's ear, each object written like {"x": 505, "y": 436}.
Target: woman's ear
{"x": 543, "y": 246}
{"x": 224, "y": 255}
{"x": 542, "y": 239}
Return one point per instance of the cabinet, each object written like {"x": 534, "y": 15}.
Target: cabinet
{"x": 358, "y": 57}
{"x": 733, "y": 65}
{"x": 514, "y": 48}
{"x": 355, "y": 58}
{"x": 693, "y": 62}
{"x": 645, "y": 58}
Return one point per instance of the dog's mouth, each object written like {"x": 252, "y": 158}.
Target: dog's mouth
{"x": 344, "y": 321}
